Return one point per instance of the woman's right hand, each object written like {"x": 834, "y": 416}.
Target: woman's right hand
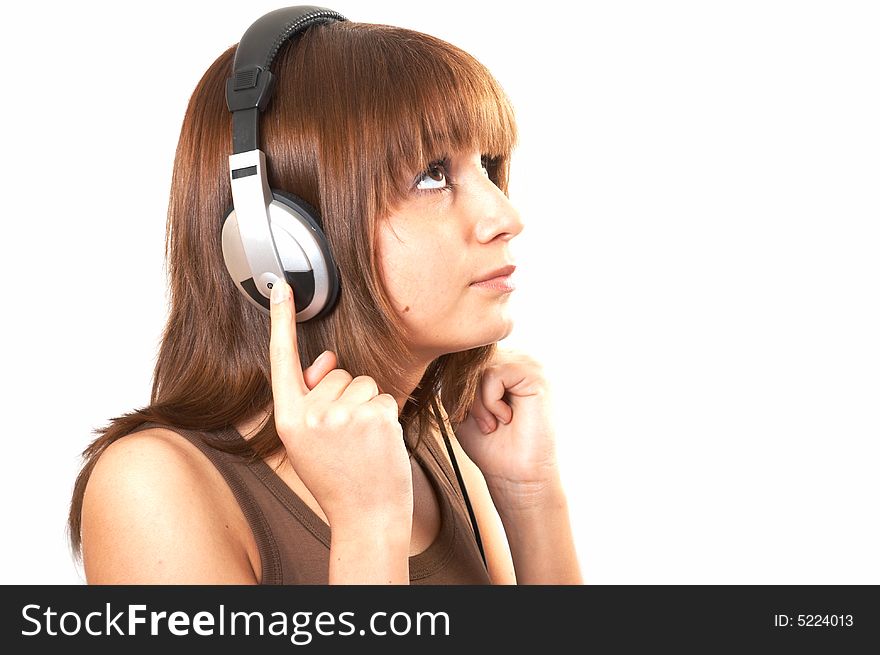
{"x": 342, "y": 436}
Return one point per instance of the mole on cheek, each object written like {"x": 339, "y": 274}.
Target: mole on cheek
{"x": 406, "y": 309}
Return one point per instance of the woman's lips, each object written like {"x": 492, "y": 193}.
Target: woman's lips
{"x": 501, "y": 283}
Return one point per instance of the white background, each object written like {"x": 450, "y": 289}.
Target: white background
{"x": 699, "y": 270}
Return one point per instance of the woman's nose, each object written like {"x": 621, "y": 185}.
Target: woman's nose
{"x": 496, "y": 217}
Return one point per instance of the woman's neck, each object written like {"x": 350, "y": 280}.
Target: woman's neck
{"x": 412, "y": 378}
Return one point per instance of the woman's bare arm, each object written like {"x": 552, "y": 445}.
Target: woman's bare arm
{"x": 150, "y": 516}
{"x": 540, "y": 536}
{"x": 369, "y": 553}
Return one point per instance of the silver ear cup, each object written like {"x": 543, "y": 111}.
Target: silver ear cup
{"x": 304, "y": 254}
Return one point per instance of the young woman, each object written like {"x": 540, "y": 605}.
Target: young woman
{"x": 264, "y": 437}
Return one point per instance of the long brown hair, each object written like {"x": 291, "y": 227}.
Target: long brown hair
{"x": 359, "y": 110}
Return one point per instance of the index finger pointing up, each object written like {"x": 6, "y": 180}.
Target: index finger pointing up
{"x": 288, "y": 384}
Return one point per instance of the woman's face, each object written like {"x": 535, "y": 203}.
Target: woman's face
{"x": 453, "y": 229}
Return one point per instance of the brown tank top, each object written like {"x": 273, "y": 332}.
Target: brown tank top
{"x": 294, "y": 542}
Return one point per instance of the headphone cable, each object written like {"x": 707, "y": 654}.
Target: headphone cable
{"x": 464, "y": 492}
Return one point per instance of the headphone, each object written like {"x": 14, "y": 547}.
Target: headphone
{"x": 269, "y": 233}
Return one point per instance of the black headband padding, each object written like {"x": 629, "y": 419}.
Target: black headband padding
{"x": 250, "y": 88}
{"x": 264, "y": 38}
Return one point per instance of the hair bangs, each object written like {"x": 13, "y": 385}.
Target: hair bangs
{"x": 438, "y": 100}
{"x": 456, "y": 114}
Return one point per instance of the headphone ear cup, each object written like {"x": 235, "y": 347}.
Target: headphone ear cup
{"x": 330, "y": 268}
{"x": 308, "y": 264}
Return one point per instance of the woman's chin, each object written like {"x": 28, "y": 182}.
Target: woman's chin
{"x": 500, "y": 330}
{"x": 489, "y": 328}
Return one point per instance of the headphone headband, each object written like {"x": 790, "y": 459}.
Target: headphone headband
{"x": 270, "y": 234}
{"x": 250, "y": 88}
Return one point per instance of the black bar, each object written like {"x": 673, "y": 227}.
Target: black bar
{"x": 543, "y": 619}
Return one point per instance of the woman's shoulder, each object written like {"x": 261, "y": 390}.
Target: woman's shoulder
{"x": 160, "y": 456}
{"x": 156, "y": 510}
{"x": 150, "y": 438}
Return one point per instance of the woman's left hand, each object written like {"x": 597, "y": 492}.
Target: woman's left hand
{"x": 516, "y": 451}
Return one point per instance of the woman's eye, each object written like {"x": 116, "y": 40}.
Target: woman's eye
{"x": 434, "y": 177}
